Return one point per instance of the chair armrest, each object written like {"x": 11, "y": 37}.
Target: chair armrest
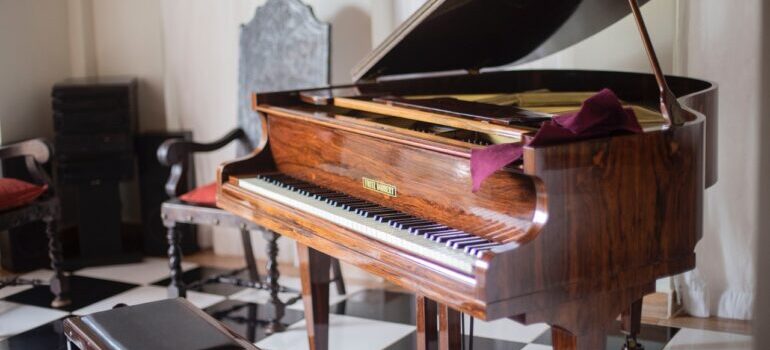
{"x": 178, "y": 151}
{"x": 175, "y": 153}
{"x": 38, "y": 149}
{"x": 36, "y": 152}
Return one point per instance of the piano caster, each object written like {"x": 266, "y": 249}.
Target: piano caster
{"x": 632, "y": 344}
{"x": 631, "y": 324}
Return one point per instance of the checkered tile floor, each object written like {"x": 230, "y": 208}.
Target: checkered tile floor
{"x": 362, "y": 319}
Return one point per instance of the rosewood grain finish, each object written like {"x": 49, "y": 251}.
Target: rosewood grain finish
{"x": 314, "y": 272}
{"x": 427, "y": 327}
{"x": 449, "y": 333}
{"x": 588, "y": 226}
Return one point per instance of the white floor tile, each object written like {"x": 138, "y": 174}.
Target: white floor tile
{"x": 148, "y": 271}
{"x": 42, "y": 275}
{"x": 691, "y": 339}
{"x": 505, "y": 329}
{"x": 537, "y": 347}
{"x": 146, "y": 294}
{"x": 17, "y": 318}
{"x": 345, "y": 333}
{"x": 262, "y": 297}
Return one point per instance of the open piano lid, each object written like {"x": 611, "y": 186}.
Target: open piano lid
{"x": 449, "y": 35}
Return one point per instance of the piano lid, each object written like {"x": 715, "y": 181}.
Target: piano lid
{"x": 448, "y": 35}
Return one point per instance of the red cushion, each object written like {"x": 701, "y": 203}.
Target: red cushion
{"x": 204, "y": 195}
{"x": 15, "y": 193}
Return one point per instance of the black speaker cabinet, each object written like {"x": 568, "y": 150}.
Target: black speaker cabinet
{"x": 95, "y": 120}
{"x": 152, "y": 179}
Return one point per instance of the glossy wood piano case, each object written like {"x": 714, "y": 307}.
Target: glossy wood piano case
{"x": 585, "y": 227}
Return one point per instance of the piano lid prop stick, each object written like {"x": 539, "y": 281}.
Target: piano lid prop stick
{"x": 669, "y": 105}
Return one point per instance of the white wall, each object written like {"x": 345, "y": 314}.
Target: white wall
{"x": 34, "y": 54}
{"x": 128, "y": 41}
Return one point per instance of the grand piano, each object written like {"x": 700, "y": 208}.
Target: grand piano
{"x": 377, "y": 174}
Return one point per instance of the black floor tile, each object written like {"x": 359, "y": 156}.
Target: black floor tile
{"x": 378, "y": 305}
{"x": 651, "y": 337}
{"x": 479, "y": 343}
{"x": 201, "y": 273}
{"x": 248, "y": 319}
{"x": 46, "y": 337}
{"x": 84, "y": 291}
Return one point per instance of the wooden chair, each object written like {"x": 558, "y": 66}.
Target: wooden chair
{"x": 283, "y": 47}
{"x": 44, "y": 207}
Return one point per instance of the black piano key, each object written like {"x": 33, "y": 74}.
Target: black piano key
{"x": 364, "y": 211}
{"x": 454, "y": 238}
{"x": 373, "y": 214}
{"x": 432, "y": 235}
{"x": 477, "y": 248}
{"x": 356, "y": 205}
{"x": 405, "y": 224}
{"x": 417, "y": 229}
{"x": 465, "y": 243}
{"x": 451, "y": 231}
{"x": 445, "y": 238}
{"x": 345, "y": 200}
{"x": 460, "y": 239}
{"x": 426, "y": 230}
{"x": 386, "y": 218}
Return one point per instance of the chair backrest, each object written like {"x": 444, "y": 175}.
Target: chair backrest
{"x": 284, "y": 47}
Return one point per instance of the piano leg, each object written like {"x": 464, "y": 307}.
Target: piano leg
{"x": 631, "y": 323}
{"x": 314, "y": 271}
{"x": 565, "y": 340}
{"x": 449, "y": 328}
{"x": 427, "y": 329}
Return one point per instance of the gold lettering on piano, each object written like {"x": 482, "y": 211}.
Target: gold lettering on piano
{"x": 379, "y": 186}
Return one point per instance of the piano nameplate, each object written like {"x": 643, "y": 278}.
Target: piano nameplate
{"x": 379, "y": 186}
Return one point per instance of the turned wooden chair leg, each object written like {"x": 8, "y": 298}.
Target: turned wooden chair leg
{"x": 631, "y": 324}
{"x": 177, "y": 287}
{"x": 60, "y": 286}
{"x": 314, "y": 271}
{"x": 339, "y": 282}
{"x": 427, "y": 329}
{"x": 248, "y": 255}
{"x": 271, "y": 280}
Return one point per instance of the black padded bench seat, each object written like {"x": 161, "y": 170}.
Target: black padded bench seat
{"x": 172, "y": 324}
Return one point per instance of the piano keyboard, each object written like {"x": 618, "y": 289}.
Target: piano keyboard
{"x": 437, "y": 242}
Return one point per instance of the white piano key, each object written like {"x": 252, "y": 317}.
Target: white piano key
{"x": 386, "y": 233}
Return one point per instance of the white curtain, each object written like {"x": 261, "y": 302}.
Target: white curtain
{"x": 721, "y": 42}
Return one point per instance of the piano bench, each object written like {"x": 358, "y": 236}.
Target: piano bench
{"x": 162, "y": 325}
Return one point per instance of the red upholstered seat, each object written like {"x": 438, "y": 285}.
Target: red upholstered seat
{"x": 16, "y": 193}
{"x": 204, "y": 195}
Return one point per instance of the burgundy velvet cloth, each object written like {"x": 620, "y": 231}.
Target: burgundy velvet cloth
{"x": 601, "y": 115}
